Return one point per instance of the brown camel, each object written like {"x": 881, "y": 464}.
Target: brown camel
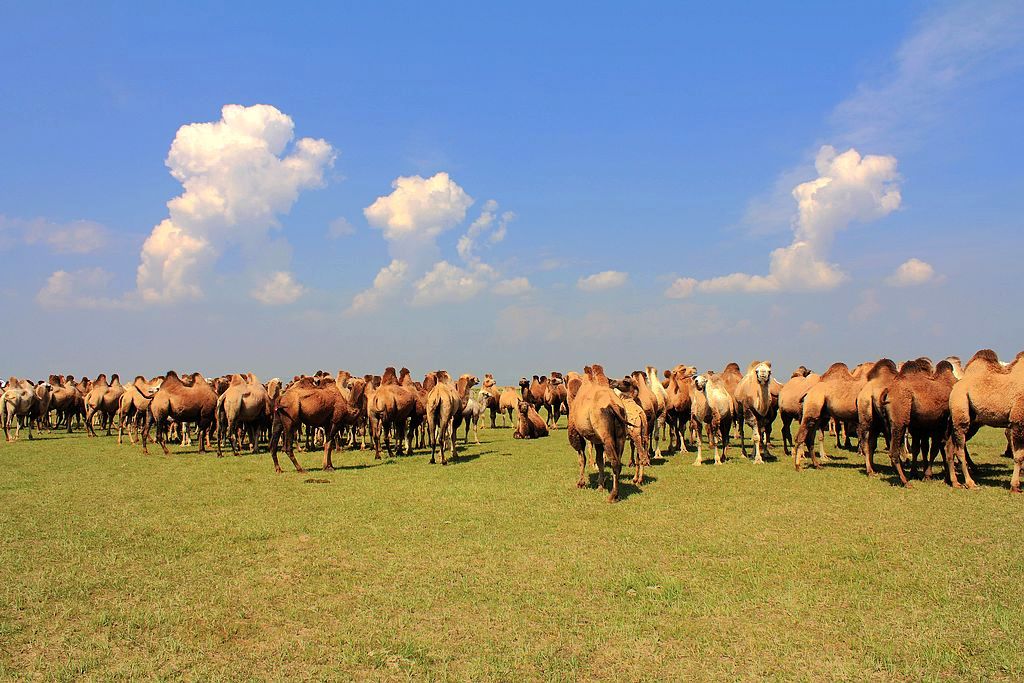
{"x": 16, "y": 404}
{"x": 990, "y": 394}
{"x": 917, "y": 402}
{"x": 652, "y": 412}
{"x": 175, "y": 400}
{"x": 500, "y": 400}
{"x": 134, "y": 405}
{"x": 713, "y": 405}
{"x": 754, "y": 404}
{"x": 444, "y": 403}
{"x": 871, "y": 420}
{"x": 791, "y": 401}
{"x": 64, "y": 399}
{"x": 678, "y": 408}
{"x": 598, "y": 416}
{"x": 244, "y": 404}
{"x": 105, "y": 399}
{"x": 530, "y": 425}
{"x": 315, "y": 405}
{"x": 554, "y": 398}
{"x": 637, "y": 430}
{"x": 388, "y": 408}
{"x": 834, "y": 396}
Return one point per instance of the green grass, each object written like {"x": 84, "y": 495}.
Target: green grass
{"x": 115, "y": 565}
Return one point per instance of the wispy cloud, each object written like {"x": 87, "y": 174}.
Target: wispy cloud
{"x": 72, "y": 237}
{"x": 608, "y": 279}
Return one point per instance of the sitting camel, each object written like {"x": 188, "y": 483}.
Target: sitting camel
{"x": 597, "y": 416}
{"x": 754, "y": 404}
{"x": 713, "y": 405}
{"x": 175, "y": 400}
{"x": 990, "y": 394}
{"x": 530, "y": 425}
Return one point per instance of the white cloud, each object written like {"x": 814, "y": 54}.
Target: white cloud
{"x": 447, "y": 283}
{"x": 340, "y": 227}
{"x": 608, "y": 279}
{"x": 681, "y": 288}
{"x": 910, "y": 273}
{"x": 849, "y": 189}
{"x": 84, "y": 288}
{"x": 512, "y": 287}
{"x": 488, "y": 219}
{"x": 868, "y": 307}
{"x": 419, "y": 208}
{"x": 388, "y": 281}
{"x": 281, "y": 288}
{"x": 238, "y": 179}
{"x": 73, "y": 237}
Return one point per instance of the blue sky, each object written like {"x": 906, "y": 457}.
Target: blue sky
{"x": 646, "y": 152}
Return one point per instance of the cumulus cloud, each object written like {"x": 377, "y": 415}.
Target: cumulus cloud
{"x": 448, "y": 283}
{"x": 239, "y": 174}
{"x": 419, "y": 208}
{"x": 73, "y": 237}
{"x": 608, "y": 279}
{"x": 910, "y": 273}
{"x": 512, "y": 287}
{"x": 388, "y": 281}
{"x": 490, "y": 221}
{"x": 82, "y": 289}
{"x": 849, "y": 189}
{"x": 340, "y": 227}
{"x": 280, "y": 288}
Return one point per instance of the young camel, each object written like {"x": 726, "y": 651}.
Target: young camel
{"x": 992, "y": 395}
{"x": 714, "y": 406}
{"x": 754, "y": 403}
{"x": 530, "y": 425}
{"x": 791, "y": 401}
{"x": 917, "y": 402}
{"x": 598, "y": 416}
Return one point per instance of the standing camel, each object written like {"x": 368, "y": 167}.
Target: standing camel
{"x": 834, "y": 396}
{"x": 791, "y": 401}
{"x": 917, "y": 402}
{"x": 175, "y": 400}
{"x": 714, "y": 406}
{"x": 754, "y": 403}
{"x": 598, "y": 416}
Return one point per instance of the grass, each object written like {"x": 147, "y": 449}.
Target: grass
{"x": 114, "y": 565}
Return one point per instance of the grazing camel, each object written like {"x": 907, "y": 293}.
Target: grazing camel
{"x": 835, "y": 396}
{"x": 182, "y": 403}
{"x": 598, "y": 416}
{"x": 134, "y": 405}
{"x": 990, "y": 394}
{"x": 871, "y": 418}
{"x": 917, "y": 402}
{"x": 245, "y": 403}
{"x": 679, "y": 403}
{"x": 754, "y": 403}
{"x": 530, "y": 425}
{"x": 714, "y": 406}
{"x": 105, "y": 399}
{"x": 791, "y": 401}
{"x": 316, "y": 404}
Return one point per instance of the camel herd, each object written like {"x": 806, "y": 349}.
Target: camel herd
{"x": 917, "y": 407}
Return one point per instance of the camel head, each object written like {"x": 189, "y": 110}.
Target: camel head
{"x": 700, "y": 381}
{"x": 763, "y": 373}
{"x": 524, "y": 383}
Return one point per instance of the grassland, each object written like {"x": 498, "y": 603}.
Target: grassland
{"x": 115, "y": 565}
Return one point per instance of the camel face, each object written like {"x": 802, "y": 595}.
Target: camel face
{"x": 700, "y": 381}
{"x": 763, "y": 372}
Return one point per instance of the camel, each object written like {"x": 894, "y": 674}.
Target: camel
{"x": 791, "y": 401}
{"x": 678, "y": 409}
{"x": 471, "y": 413}
{"x": 530, "y": 425}
{"x": 105, "y": 399}
{"x": 637, "y": 430}
{"x": 500, "y": 400}
{"x": 871, "y": 419}
{"x": 134, "y": 405}
{"x": 175, "y": 400}
{"x": 316, "y": 404}
{"x": 660, "y": 405}
{"x": 917, "y": 402}
{"x": 17, "y": 401}
{"x": 539, "y": 393}
{"x": 990, "y": 394}
{"x": 389, "y": 407}
{"x": 66, "y": 399}
{"x": 244, "y": 403}
{"x": 554, "y": 398}
{"x": 754, "y": 404}
{"x": 714, "y": 406}
{"x": 444, "y": 403}
{"x": 835, "y": 396}
{"x": 598, "y": 416}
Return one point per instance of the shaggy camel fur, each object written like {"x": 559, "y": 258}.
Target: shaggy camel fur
{"x": 714, "y": 406}
{"x": 388, "y": 408}
{"x": 598, "y": 416}
{"x": 244, "y": 404}
{"x": 637, "y": 430}
{"x": 105, "y": 399}
{"x": 871, "y": 418}
{"x": 530, "y": 425}
{"x": 678, "y": 409}
{"x": 990, "y": 394}
{"x": 754, "y": 403}
{"x": 134, "y": 405}
{"x": 175, "y": 400}
{"x": 314, "y": 404}
{"x": 917, "y": 402}
{"x": 835, "y": 396}
{"x": 791, "y": 401}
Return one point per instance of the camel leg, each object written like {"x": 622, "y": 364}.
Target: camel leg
{"x": 1016, "y": 442}
{"x": 895, "y": 452}
{"x": 328, "y": 449}
{"x": 716, "y": 433}
{"x": 868, "y": 442}
{"x": 757, "y": 443}
{"x": 743, "y": 443}
{"x": 699, "y": 459}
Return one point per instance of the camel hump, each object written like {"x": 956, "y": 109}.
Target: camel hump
{"x": 390, "y": 376}
{"x": 943, "y": 368}
{"x": 985, "y": 356}
{"x": 837, "y": 370}
{"x": 919, "y": 366}
{"x": 881, "y": 366}
{"x": 171, "y": 379}
{"x": 598, "y": 374}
